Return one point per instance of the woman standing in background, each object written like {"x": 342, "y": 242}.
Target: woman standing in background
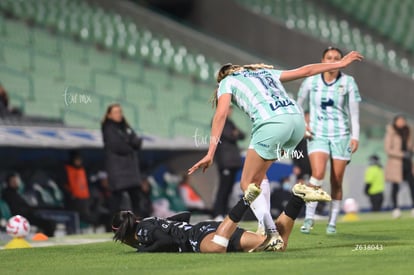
{"x": 121, "y": 146}
{"x": 398, "y": 147}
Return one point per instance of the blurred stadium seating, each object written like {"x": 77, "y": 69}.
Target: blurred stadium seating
{"x": 392, "y": 19}
{"x": 72, "y": 47}
{"x": 308, "y": 17}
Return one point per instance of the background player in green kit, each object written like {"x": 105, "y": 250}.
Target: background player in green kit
{"x": 333, "y": 99}
{"x": 278, "y": 123}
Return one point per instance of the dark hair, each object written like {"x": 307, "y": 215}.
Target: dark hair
{"x": 124, "y": 225}
{"x": 404, "y": 132}
{"x": 3, "y": 96}
{"x": 374, "y": 160}
{"x": 330, "y": 48}
{"x": 108, "y": 110}
{"x": 74, "y": 154}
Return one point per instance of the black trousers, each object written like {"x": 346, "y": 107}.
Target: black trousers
{"x": 83, "y": 207}
{"x": 396, "y": 188}
{"x": 134, "y": 194}
{"x": 227, "y": 179}
{"x": 46, "y": 226}
{"x": 376, "y": 201}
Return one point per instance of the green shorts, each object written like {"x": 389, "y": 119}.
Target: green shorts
{"x": 337, "y": 148}
{"x": 277, "y": 138}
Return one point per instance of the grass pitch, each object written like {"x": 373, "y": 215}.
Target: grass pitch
{"x": 374, "y": 245}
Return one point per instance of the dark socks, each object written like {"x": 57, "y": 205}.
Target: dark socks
{"x": 294, "y": 206}
{"x": 237, "y": 212}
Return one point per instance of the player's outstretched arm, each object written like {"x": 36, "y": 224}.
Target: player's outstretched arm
{"x": 312, "y": 69}
{"x": 216, "y": 130}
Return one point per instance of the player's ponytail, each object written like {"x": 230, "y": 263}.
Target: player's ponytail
{"x": 123, "y": 226}
{"x": 229, "y": 68}
{"x": 214, "y": 99}
{"x": 258, "y": 66}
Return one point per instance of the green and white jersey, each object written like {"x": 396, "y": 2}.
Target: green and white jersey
{"x": 259, "y": 93}
{"x": 330, "y": 105}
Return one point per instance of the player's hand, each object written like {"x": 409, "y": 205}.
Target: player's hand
{"x": 203, "y": 163}
{"x": 351, "y": 57}
{"x": 354, "y": 145}
{"x": 308, "y": 133}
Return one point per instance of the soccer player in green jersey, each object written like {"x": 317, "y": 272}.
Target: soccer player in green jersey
{"x": 278, "y": 123}
{"x": 333, "y": 101}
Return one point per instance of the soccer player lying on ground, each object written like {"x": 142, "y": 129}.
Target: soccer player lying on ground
{"x": 175, "y": 234}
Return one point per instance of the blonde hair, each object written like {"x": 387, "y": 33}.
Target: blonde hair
{"x": 228, "y": 69}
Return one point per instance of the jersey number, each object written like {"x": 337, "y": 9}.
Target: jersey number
{"x": 267, "y": 82}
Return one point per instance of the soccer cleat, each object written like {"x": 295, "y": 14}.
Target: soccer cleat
{"x": 310, "y": 193}
{"x": 273, "y": 242}
{"x": 307, "y": 226}
{"x": 331, "y": 229}
{"x": 251, "y": 193}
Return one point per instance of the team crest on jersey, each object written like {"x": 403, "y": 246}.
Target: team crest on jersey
{"x": 341, "y": 89}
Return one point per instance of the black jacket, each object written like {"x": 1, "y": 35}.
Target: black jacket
{"x": 16, "y": 203}
{"x": 228, "y": 153}
{"x": 121, "y": 146}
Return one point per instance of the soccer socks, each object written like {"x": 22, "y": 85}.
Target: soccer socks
{"x": 315, "y": 182}
{"x": 237, "y": 212}
{"x": 261, "y": 204}
{"x": 293, "y": 207}
{"x": 265, "y": 186}
{"x": 310, "y": 209}
{"x": 261, "y": 208}
{"x": 335, "y": 209}
{"x": 311, "y": 206}
{"x": 262, "y": 213}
